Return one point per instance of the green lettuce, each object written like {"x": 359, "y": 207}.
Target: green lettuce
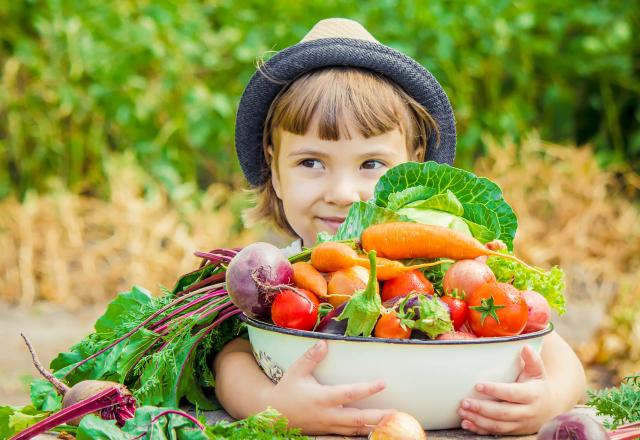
{"x": 443, "y": 195}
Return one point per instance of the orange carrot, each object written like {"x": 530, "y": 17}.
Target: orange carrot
{"x": 402, "y": 240}
{"x": 333, "y": 256}
{"x": 307, "y": 277}
{"x": 388, "y": 269}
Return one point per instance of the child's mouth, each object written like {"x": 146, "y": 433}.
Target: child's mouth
{"x": 333, "y": 223}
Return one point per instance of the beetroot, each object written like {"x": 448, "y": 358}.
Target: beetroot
{"x": 255, "y": 275}
{"x": 108, "y": 400}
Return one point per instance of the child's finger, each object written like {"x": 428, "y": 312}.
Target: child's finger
{"x": 470, "y": 426}
{"x": 533, "y": 365}
{"x": 510, "y": 392}
{"x": 509, "y": 412}
{"x": 306, "y": 363}
{"x": 359, "y": 418}
{"x": 343, "y": 394}
{"x": 489, "y": 425}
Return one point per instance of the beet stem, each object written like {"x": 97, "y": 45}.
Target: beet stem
{"x": 135, "y": 329}
{"x": 164, "y": 413}
{"x": 216, "y": 308}
{"x": 175, "y": 318}
{"x": 181, "y": 309}
{"x": 210, "y": 279}
{"x": 104, "y": 399}
{"x": 57, "y": 383}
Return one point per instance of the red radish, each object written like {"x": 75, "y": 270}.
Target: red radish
{"x": 398, "y": 425}
{"x": 465, "y": 276}
{"x": 254, "y": 277}
{"x": 539, "y": 311}
{"x": 456, "y": 336}
{"x": 108, "y": 400}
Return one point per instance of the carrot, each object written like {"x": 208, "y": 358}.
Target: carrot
{"x": 333, "y": 256}
{"x": 307, "y": 277}
{"x": 388, "y": 269}
{"x": 402, "y": 240}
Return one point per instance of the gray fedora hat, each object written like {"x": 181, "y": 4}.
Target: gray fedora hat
{"x": 336, "y": 42}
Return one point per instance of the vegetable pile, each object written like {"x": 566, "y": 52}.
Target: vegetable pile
{"x": 429, "y": 256}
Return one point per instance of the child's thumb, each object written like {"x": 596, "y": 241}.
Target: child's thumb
{"x": 533, "y": 365}
{"x": 306, "y": 363}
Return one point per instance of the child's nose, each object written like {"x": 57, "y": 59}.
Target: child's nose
{"x": 341, "y": 192}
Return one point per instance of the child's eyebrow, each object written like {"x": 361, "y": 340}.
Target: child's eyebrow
{"x": 307, "y": 152}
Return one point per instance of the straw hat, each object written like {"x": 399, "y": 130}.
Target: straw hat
{"x": 336, "y": 42}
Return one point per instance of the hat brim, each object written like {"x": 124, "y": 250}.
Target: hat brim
{"x": 296, "y": 60}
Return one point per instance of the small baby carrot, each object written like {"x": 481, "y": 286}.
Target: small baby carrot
{"x": 388, "y": 269}
{"x": 307, "y": 277}
{"x": 332, "y": 256}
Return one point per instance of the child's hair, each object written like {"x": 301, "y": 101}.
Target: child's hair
{"x": 375, "y": 104}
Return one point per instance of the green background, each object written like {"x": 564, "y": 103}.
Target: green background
{"x": 84, "y": 79}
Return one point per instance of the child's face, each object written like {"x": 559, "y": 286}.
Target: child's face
{"x": 318, "y": 180}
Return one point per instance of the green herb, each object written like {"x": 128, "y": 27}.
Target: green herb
{"x": 267, "y": 425}
{"x": 621, "y": 404}
{"x": 14, "y": 419}
{"x": 549, "y": 284}
{"x": 363, "y": 309}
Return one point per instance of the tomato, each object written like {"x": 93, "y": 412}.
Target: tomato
{"x": 464, "y": 276}
{"x": 390, "y": 326}
{"x": 497, "y": 309}
{"x": 297, "y": 310}
{"x": 410, "y": 281}
{"x": 457, "y": 310}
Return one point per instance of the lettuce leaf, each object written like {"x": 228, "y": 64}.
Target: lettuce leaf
{"x": 551, "y": 284}
{"x": 362, "y": 215}
{"x": 431, "y": 185}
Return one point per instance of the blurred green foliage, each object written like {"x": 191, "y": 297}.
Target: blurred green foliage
{"x": 82, "y": 78}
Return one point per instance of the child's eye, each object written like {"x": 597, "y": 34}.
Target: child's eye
{"x": 372, "y": 165}
{"x": 311, "y": 163}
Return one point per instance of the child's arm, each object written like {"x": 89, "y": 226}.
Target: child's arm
{"x": 243, "y": 389}
{"x": 549, "y": 385}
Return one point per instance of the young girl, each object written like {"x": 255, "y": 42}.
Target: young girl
{"x": 317, "y": 127}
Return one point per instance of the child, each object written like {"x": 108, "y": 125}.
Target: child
{"x": 317, "y": 126}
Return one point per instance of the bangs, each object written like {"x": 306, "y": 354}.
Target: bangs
{"x": 338, "y": 95}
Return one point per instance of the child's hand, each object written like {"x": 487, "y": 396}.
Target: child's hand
{"x": 318, "y": 409}
{"x": 522, "y": 406}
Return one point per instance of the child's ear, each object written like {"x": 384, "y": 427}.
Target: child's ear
{"x": 418, "y": 154}
{"x": 275, "y": 177}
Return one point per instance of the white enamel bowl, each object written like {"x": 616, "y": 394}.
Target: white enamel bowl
{"x": 427, "y": 379}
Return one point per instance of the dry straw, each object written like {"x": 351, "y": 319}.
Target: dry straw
{"x": 77, "y": 250}
{"x": 582, "y": 218}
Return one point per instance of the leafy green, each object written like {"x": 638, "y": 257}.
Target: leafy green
{"x": 44, "y": 396}
{"x": 550, "y": 284}
{"x": 267, "y": 425}
{"x": 14, "y": 419}
{"x": 621, "y": 404}
{"x": 362, "y": 215}
{"x": 484, "y": 210}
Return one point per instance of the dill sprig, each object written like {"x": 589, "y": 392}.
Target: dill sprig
{"x": 620, "y": 404}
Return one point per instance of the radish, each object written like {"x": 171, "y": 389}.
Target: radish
{"x": 465, "y": 276}
{"x": 538, "y": 311}
{"x": 255, "y": 275}
{"x": 108, "y": 400}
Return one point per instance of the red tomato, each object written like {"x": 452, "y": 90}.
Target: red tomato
{"x": 497, "y": 309}
{"x": 465, "y": 276}
{"x": 457, "y": 310}
{"x": 295, "y": 310}
{"x": 410, "y": 281}
{"x": 390, "y": 326}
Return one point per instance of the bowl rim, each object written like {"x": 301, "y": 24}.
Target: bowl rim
{"x": 318, "y": 335}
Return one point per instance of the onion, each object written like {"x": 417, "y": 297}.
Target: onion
{"x": 398, "y": 426}
{"x": 255, "y": 275}
{"x": 572, "y": 426}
